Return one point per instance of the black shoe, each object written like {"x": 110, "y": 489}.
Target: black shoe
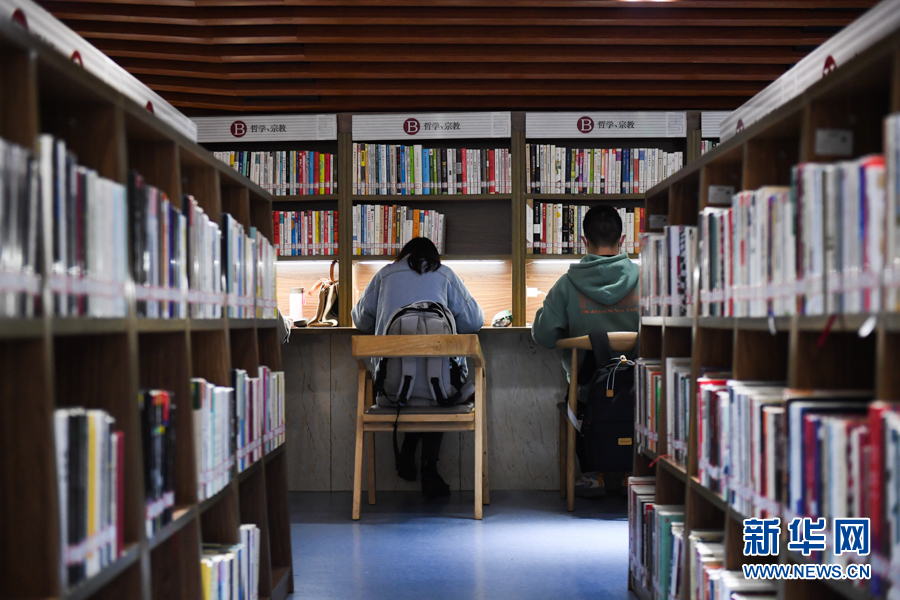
{"x": 433, "y": 486}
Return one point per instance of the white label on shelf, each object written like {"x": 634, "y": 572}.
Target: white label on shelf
{"x": 266, "y": 128}
{"x": 432, "y": 126}
{"x": 48, "y": 28}
{"x": 710, "y": 123}
{"x": 834, "y": 142}
{"x": 873, "y": 26}
{"x": 634, "y": 124}
{"x": 720, "y": 194}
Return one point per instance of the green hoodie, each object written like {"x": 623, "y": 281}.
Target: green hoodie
{"x": 598, "y": 293}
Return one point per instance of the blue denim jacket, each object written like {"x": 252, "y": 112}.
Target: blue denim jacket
{"x": 397, "y": 285}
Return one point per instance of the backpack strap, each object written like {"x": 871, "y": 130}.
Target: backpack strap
{"x": 600, "y": 347}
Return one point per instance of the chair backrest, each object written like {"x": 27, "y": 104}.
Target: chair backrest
{"x": 373, "y": 346}
{"x": 619, "y": 341}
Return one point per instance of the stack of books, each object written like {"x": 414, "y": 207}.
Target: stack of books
{"x": 667, "y": 267}
{"x": 306, "y": 233}
{"x": 383, "y": 169}
{"x": 158, "y": 437}
{"x": 286, "y": 172}
{"x": 90, "y": 223}
{"x": 159, "y": 251}
{"x": 231, "y": 571}
{"x": 204, "y": 262}
{"x": 558, "y": 170}
{"x": 258, "y": 414}
{"x": 20, "y": 232}
{"x": 558, "y": 228}
{"x": 648, "y": 387}
{"x": 641, "y": 497}
{"x": 706, "y": 146}
{"x": 380, "y": 230}
{"x": 213, "y": 408}
{"x": 240, "y": 268}
{"x": 90, "y": 482}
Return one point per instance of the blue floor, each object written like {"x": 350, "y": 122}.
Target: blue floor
{"x": 527, "y": 546}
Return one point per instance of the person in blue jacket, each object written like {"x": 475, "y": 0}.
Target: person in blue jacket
{"x": 417, "y": 275}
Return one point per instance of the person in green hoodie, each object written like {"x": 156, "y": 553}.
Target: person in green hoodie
{"x": 597, "y": 293}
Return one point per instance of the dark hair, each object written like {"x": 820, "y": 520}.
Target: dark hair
{"x": 602, "y": 226}
{"x": 421, "y": 254}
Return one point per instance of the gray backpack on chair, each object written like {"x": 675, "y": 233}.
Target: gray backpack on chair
{"x": 420, "y": 381}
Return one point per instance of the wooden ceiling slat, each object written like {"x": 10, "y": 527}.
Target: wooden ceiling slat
{"x": 440, "y": 87}
{"x": 430, "y": 54}
{"x": 628, "y": 36}
{"x": 377, "y": 104}
{"x": 210, "y": 56}
{"x": 622, "y": 16}
{"x": 456, "y": 70}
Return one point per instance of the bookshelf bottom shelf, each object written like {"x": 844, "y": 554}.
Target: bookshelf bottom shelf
{"x": 280, "y": 580}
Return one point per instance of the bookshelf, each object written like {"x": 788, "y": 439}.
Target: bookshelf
{"x": 806, "y": 352}
{"x": 48, "y": 362}
{"x": 489, "y": 228}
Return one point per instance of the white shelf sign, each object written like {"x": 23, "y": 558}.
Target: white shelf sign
{"x": 266, "y": 128}
{"x": 634, "y": 124}
{"x": 432, "y": 126}
{"x": 710, "y": 121}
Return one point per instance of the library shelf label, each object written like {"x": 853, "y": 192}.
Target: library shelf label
{"x": 631, "y": 124}
{"x": 266, "y": 128}
{"x": 432, "y": 126}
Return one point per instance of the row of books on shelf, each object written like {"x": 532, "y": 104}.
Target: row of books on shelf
{"x": 306, "y": 232}
{"x": 235, "y": 425}
{"x": 231, "y": 571}
{"x": 666, "y": 273}
{"x": 383, "y": 230}
{"x": 648, "y": 391}
{"x": 158, "y": 417}
{"x": 827, "y": 244}
{"x": 382, "y": 169}
{"x": 89, "y": 456}
{"x": 286, "y": 172}
{"x": 95, "y": 224}
{"x": 558, "y": 228}
{"x": 707, "y": 145}
{"x": 771, "y": 451}
{"x": 559, "y": 170}
{"x": 659, "y": 551}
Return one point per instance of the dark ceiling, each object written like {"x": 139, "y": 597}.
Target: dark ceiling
{"x": 209, "y": 56}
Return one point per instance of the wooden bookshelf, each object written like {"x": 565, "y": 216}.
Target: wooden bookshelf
{"x": 48, "y": 363}
{"x": 485, "y": 227}
{"x": 807, "y": 352}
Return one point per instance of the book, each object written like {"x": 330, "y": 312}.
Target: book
{"x": 21, "y": 204}
{"x": 380, "y": 230}
{"x": 429, "y": 171}
{"x": 563, "y": 232}
{"x": 90, "y": 473}
{"x": 157, "y": 411}
{"x": 213, "y": 434}
{"x": 678, "y": 402}
{"x": 648, "y": 380}
{"x": 306, "y": 233}
{"x": 286, "y": 172}
{"x": 552, "y": 169}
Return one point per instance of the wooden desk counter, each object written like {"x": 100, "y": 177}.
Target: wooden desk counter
{"x": 525, "y": 381}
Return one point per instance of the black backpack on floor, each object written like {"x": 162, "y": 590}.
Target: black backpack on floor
{"x": 607, "y": 418}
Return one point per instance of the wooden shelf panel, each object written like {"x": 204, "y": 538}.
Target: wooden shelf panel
{"x": 708, "y": 495}
{"x": 182, "y": 516}
{"x": 673, "y": 468}
{"x": 418, "y": 198}
{"x": 87, "y": 326}
{"x": 11, "y": 329}
{"x": 630, "y": 198}
{"x": 304, "y": 198}
{"x": 90, "y": 587}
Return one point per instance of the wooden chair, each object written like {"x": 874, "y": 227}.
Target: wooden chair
{"x": 454, "y": 418}
{"x": 619, "y": 341}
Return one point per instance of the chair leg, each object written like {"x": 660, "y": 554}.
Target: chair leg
{"x": 487, "y": 479}
{"x": 370, "y": 450}
{"x": 570, "y": 434}
{"x": 562, "y": 454}
{"x": 479, "y": 440}
{"x": 358, "y": 456}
